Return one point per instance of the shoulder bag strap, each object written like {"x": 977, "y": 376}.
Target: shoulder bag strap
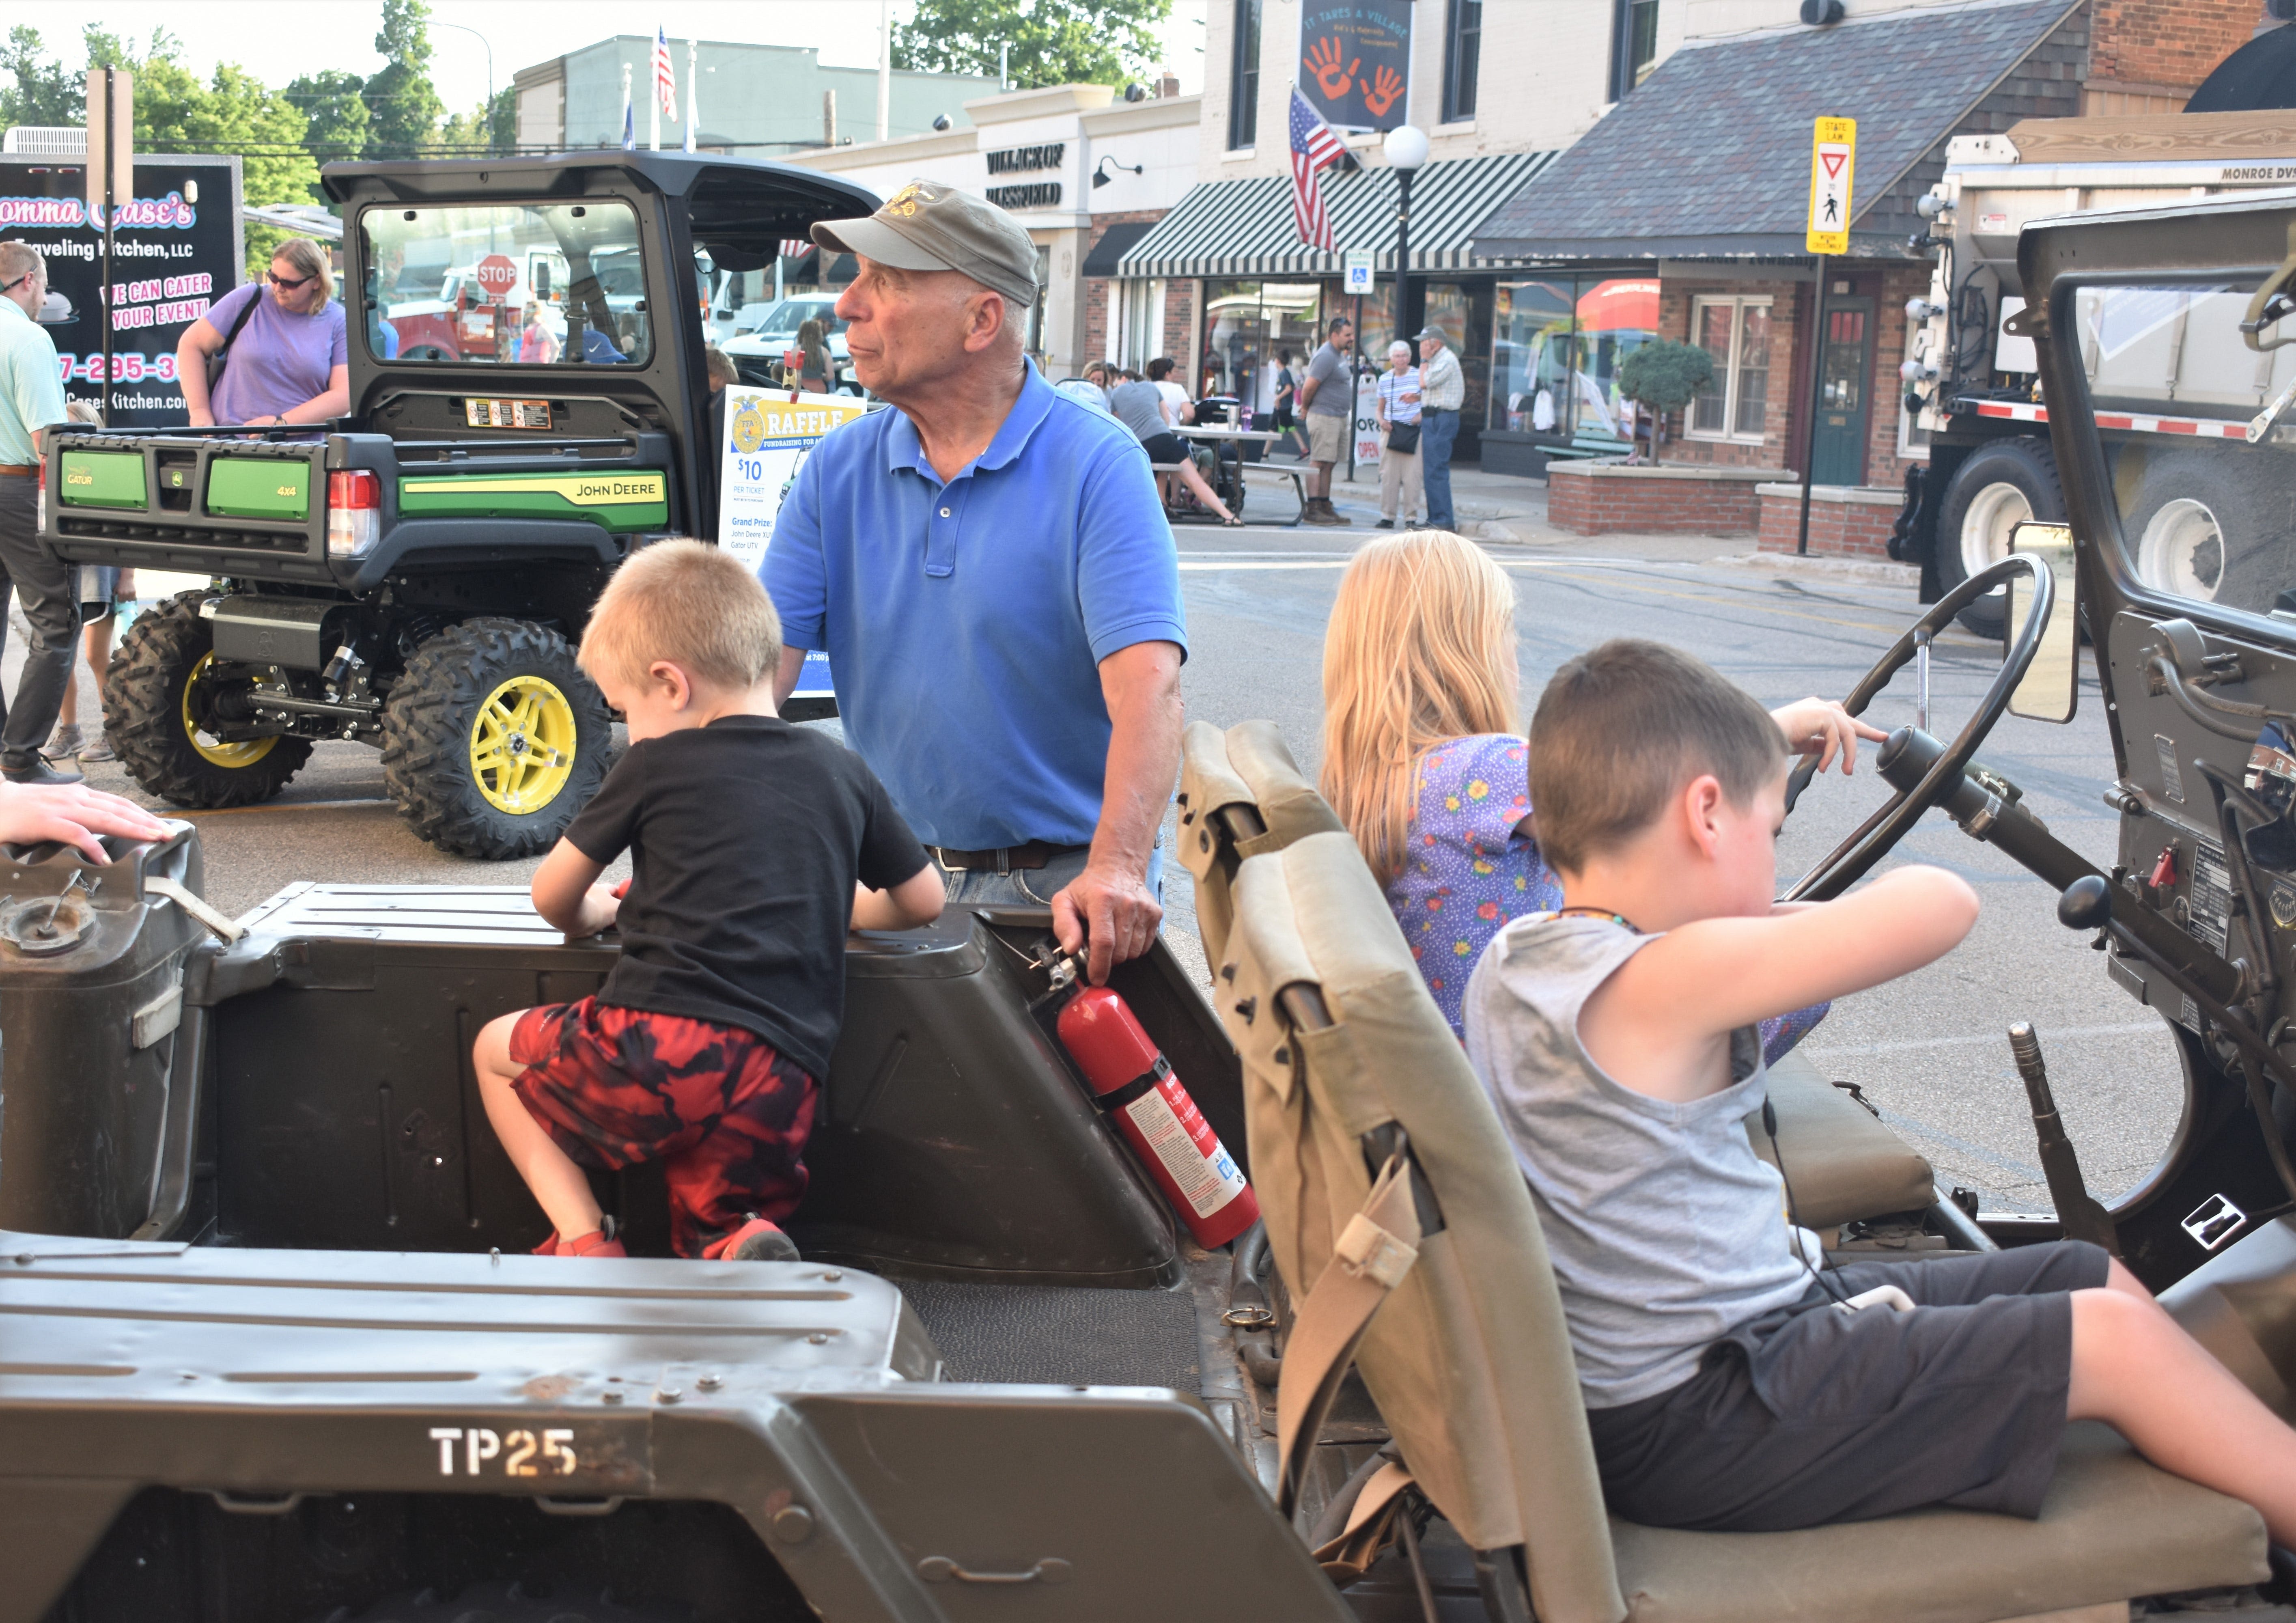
{"x": 222, "y": 357}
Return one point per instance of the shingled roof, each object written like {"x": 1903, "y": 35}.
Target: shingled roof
{"x": 1710, "y": 155}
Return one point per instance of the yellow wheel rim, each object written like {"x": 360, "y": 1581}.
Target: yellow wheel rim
{"x": 212, "y": 749}
{"x": 522, "y": 745}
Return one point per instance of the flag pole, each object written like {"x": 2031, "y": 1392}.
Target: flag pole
{"x": 629, "y": 134}
{"x": 653, "y": 101}
{"x": 692, "y": 104}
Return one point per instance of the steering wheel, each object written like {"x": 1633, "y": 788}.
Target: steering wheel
{"x": 1874, "y": 839}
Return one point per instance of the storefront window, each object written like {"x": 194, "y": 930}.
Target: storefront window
{"x": 1245, "y": 325}
{"x": 1462, "y": 312}
{"x": 1557, "y": 346}
{"x": 1737, "y": 332}
{"x": 1144, "y": 322}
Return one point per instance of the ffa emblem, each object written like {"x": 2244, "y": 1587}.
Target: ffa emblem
{"x": 749, "y": 427}
{"x": 906, "y": 202}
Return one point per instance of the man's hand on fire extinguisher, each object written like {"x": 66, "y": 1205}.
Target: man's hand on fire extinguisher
{"x": 1108, "y": 912}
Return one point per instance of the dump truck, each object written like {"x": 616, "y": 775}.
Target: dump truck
{"x": 2165, "y": 400}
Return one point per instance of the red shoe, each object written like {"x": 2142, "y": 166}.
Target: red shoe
{"x": 755, "y": 1240}
{"x": 599, "y": 1241}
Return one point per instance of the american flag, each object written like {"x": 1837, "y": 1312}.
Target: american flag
{"x": 665, "y": 81}
{"x": 1313, "y": 147}
{"x": 796, "y": 248}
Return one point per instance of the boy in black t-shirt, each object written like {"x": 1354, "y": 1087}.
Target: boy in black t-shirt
{"x": 754, "y": 846}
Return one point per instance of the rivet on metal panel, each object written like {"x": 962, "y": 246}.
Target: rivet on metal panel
{"x": 709, "y": 1383}
{"x": 792, "y": 1524}
{"x": 818, "y": 1338}
{"x": 669, "y": 1394}
{"x": 612, "y": 1394}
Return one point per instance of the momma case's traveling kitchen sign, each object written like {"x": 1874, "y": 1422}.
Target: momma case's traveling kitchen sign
{"x": 1832, "y": 168}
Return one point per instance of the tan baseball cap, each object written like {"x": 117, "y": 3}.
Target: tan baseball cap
{"x": 928, "y": 226}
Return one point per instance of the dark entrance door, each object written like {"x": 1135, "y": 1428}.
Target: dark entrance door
{"x": 1843, "y": 362}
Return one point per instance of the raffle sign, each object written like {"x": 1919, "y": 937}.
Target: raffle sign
{"x": 768, "y": 436}
{"x": 1355, "y": 61}
{"x": 179, "y": 244}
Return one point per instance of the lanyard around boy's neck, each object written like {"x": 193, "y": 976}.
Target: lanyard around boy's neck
{"x": 1620, "y": 919}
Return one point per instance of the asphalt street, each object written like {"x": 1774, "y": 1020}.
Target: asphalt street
{"x": 1929, "y": 1051}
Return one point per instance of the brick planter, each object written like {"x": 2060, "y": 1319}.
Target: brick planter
{"x": 1845, "y": 521}
{"x": 1594, "y": 498}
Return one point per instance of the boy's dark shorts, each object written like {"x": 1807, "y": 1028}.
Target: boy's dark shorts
{"x": 1809, "y": 1414}
{"x": 723, "y": 1112}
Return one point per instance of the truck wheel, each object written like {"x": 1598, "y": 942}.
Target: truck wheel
{"x": 2201, "y": 527}
{"x": 493, "y": 738}
{"x": 1996, "y": 487}
{"x": 158, "y": 701}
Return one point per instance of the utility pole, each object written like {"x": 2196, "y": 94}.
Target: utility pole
{"x": 111, "y": 101}
{"x": 829, "y": 117}
{"x": 885, "y": 69}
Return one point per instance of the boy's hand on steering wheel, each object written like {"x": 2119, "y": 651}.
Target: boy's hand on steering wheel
{"x": 1823, "y": 728}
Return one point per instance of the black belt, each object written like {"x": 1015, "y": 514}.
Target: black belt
{"x": 1003, "y": 859}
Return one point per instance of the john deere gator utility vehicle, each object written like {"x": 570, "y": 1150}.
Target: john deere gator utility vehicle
{"x": 417, "y": 577}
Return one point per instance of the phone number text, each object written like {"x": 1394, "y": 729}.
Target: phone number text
{"x": 128, "y": 366}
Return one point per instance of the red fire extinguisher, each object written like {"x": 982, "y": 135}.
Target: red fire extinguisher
{"x": 1133, "y": 1082}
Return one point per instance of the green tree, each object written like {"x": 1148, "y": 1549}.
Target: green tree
{"x": 487, "y": 129}
{"x": 1052, "y": 42}
{"x": 43, "y": 93}
{"x": 232, "y": 113}
{"x": 333, "y": 105}
{"x": 403, "y": 111}
{"x": 1665, "y": 376}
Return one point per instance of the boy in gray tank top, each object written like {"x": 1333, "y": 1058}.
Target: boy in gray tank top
{"x": 1729, "y": 1384}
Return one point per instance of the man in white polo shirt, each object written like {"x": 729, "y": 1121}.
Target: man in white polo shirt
{"x": 31, "y": 399}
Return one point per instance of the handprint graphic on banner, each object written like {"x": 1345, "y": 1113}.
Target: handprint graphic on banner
{"x": 1355, "y": 61}
{"x": 1323, "y": 60}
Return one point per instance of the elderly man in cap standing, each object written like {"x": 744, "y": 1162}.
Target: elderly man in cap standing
{"x": 990, "y": 571}
{"x": 1442, "y": 391}
{"x": 31, "y": 401}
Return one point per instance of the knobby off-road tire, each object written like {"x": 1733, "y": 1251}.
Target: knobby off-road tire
{"x": 156, "y": 694}
{"x": 493, "y": 738}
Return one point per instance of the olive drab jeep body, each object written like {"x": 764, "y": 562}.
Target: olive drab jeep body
{"x": 417, "y": 576}
{"x": 271, "y": 1346}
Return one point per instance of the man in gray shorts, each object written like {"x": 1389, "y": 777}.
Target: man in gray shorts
{"x": 1328, "y": 403}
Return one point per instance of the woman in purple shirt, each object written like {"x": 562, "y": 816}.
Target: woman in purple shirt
{"x": 1425, "y": 758}
{"x": 291, "y": 362}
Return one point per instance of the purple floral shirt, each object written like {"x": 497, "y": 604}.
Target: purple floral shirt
{"x": 1467, "y": 872}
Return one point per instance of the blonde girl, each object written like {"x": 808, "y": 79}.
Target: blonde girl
{"x": 1425, "y": 762}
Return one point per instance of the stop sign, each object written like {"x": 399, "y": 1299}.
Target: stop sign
{"x": 497, "y": 275}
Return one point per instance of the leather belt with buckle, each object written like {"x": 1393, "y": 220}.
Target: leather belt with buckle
{"x": 23, "y": 472}
{"x": 1031, "y": 854}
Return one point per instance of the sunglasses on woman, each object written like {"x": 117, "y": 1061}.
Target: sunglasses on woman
{"x": 283, "y": 284}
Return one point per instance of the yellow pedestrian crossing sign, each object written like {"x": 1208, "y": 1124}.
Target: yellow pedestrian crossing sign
{"x": 1832, "y": 167}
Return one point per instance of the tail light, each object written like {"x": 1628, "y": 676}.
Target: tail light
{"x": 354, "y": 513}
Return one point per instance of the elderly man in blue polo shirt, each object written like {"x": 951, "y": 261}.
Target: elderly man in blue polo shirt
{"x": 991, "y": 573}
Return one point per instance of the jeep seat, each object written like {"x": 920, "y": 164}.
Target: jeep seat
{"x": 1469, "y": 1364}
{"x": 1844, "y": 1163}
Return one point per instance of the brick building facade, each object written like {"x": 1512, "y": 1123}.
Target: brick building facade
{"x": 2150, "y": 55}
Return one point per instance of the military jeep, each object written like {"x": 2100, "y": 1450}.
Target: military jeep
{"x": 270, "y": 1348}
{"x": 417, "y": 577}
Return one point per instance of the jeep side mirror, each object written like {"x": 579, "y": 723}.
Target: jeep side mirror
{"x": 2051, "y": 686}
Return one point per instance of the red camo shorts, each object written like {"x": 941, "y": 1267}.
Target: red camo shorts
{"x": 727, "y": 1115}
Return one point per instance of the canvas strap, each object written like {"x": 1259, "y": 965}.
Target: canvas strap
{"x": 1371, "y": 1522}
{"x": 1373, "y": 1254}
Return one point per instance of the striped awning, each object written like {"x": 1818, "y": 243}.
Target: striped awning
{"x": 1244, "y": 227}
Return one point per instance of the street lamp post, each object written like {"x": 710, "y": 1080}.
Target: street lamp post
{"x": 465, "y": 29}
{"x": 1406, "y": 150}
